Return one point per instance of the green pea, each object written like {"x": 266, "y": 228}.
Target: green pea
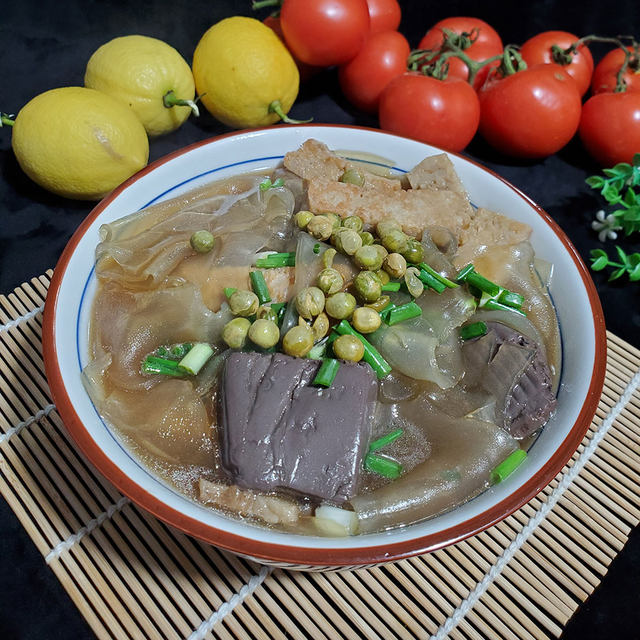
{"x": 353, "y": 176}
{"x": 335, "y": 219}
{"x": 395, "y": 265}
{"x": 354, "y": 223}
{"x": 368, "y": 286}
{"x": 340, "y": 305}
{"x": 368, "y": 257}
{"x": 366, "y": 237}
{"x": 320, "y": 227}
{"x": 379, "y": 304}
{"x": 266, "y": 312}
{"x": 413, "y": 252}
{"x": 385, "y": 226}
{"x": 330, "y": 281}
{"x": 395, "y": 241}
{"x": 243, "y": 303}
{"x": 298, "y": 341}
{"x": 310, "y": 302}
{"x": 303, "y": 218}
{"x": 366, "y": 320}
{"x": 383, "y": 276}
{"x": 348, "y": 347}
{"x": 264, "y": 333}
{"x": 320, "y": 326}
{"x": 202, "y": 241}
{"x": 328, "y": 256}
{"x": 235, "y": 332}
{"x": 347, "y": 241}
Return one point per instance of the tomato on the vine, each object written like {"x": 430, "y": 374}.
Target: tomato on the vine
{"x": 610, "y": 127}
{"x": 444, "y": 113}
{"x": 486, "y": 45}
{"x": 384, "y": 15}
{"x": 382, "y": 58}
{"x": 531, "y": 113}
{"x": 324, "y": 32}
{"x": 605, "y": 75}
{"x": 579, "y": 65}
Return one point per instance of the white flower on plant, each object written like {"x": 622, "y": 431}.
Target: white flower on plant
{"x": 607, "y": 225}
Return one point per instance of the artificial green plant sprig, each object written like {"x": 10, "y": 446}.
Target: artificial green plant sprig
{"x": 629, "y": 264}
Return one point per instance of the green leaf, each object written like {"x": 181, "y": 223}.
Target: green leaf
{"x": 634, "y": 275}
{"x": 617, "y": 273}
{"x": 598, "y": 253}
{"x": 600, "y": 263}
{"x": 634, "y": 260}
{"x": 623, "y": 169}
{"x": 610, "y": 194}
{"x": 611, "y": 173}
{"x": 622, "y": 255}
{"x": 630, "y": 197}
{"x": 636, "y": 159}
{"x": 596, "y": 182}
{"x": 632, "y": 213}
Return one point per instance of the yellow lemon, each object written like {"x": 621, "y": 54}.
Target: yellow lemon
{"x": 78, "y": 142}
{"x": 149, "y": 75}
{"x": 244, "y": 74}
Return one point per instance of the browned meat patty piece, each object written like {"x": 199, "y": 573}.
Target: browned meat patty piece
{"x": 280, "y": 432}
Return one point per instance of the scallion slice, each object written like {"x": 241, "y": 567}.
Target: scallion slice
{"x": 464, "y": 272}
{"x": 197, "y": 357}
{"x": 316, "y": 248}
{"x": 229, "y": 291}
{"x": 483, "y": 284}
{"x": 431, "y": 282}
{"x": 387, "y": 467}
{"x": 391, "y": 286}
{"x": 385, "y": 440}
{"x": 438, "y": 276}
{"x": 161, "y": 366}
{"x": 327, "y": 372}
{"x": 487, "y": 302}
{"x": 473, "y": 330}
{"x": 403, "y": 312}
{"x": 179, "y": 351}
{"x": 511, "y": 299}
{"x": 371, "y": 355}
{"x": 275, "y": 260}
{"x": 508, "y": 466}
{"x": 259, "y": 286}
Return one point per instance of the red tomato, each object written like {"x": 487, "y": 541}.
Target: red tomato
{"x": 382, "y": 58}
{"x": 324, "y": 32}
{"x": 487, "y": 44}
{"x": 537, "y": 50}
{"x": 384, "y": 15}
{"x": 305, "y": 70}
{"x": 610, "y": 127}
{"x": 444, "y": 113}
{"x": 530, "y": 114}
{"x": 605, "y": 75}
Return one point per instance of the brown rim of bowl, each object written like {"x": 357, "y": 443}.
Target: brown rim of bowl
{"x": 272, "y": 552}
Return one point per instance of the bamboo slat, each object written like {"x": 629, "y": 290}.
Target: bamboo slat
{"x": 132, "y": 576}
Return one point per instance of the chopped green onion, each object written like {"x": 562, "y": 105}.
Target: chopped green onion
{"x": 161, "y": 351}
{"x": 316, "y": 247}
{"x": 438, "y": 276}
{"x": 327, "y": 372}
{"x": 431, "y": 282}
{"x": 279, "y": 308}
{"x": 508, "y": 466}
{"x": 486, "y": 286}
{"x": 473, "y": 330}
{"x": 318, "y": 350}
{"x": 229, "y": 291}
{"x": 511, "y": 299}
{"x": 259, "y": 286}
{"x": 487, "y": 302}
{"x": 275, "y": 260}
{"x": 385, "y": 440}
{"x": 391, "y": 286}
{"x": 387, "y": 467}
{"x": 371, "y": 354}
{"x": 162, "y": 366}
{"x": 196, "y": 358}
{"x": 384, "y": 314}
{"x": 279, "y": 182}
{"x": 403, "y": 312}
{"x": 181, "y": 350}
{"x": 464, "y": 272}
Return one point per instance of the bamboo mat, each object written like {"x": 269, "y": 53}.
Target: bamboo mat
{"x": 131, "y": 576}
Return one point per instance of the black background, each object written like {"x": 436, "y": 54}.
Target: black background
{"x": 45, "y": 44}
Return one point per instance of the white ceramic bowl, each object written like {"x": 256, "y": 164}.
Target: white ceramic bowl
{"x": 65, "y": 346}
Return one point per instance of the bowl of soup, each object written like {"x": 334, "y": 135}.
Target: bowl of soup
{"x": 323, "y": 347}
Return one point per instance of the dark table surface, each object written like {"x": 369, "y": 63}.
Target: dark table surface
{"x": 45, "y": 44}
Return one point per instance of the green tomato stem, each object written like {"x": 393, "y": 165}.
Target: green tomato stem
{"x": 171, "y": 100}
{"x": 276, "y": 107}
{"x": 6, "y": 120}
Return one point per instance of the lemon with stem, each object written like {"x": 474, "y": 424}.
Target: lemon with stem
{"x": 150, "y": 76}
{"x": 244, "y": 75}
{"x": 77, "y": 142}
